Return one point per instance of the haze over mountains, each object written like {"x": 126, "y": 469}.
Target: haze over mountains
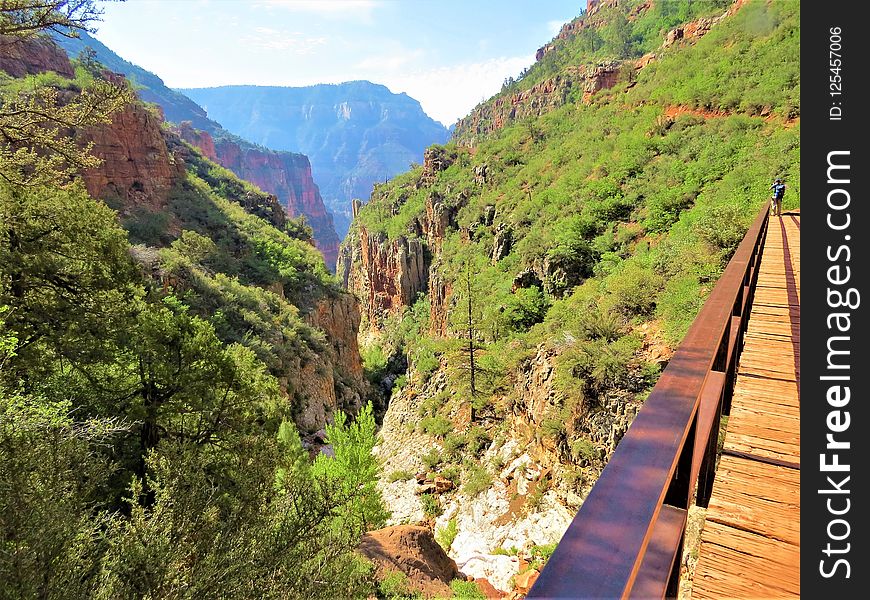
{"x": 355, "y": 133}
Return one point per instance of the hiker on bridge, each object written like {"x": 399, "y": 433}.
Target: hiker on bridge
{"x": 778, "y": 188}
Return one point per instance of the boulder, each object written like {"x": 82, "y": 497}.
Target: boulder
{"x": 501, "y": 244}
{"x": 411, "y": 550}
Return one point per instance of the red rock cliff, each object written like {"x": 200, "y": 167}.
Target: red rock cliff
{"x": 285, "y": 174}
{"x": 28, "y": 56}
{"x": 137, "y": 167}
{"x": 388, "y": 274}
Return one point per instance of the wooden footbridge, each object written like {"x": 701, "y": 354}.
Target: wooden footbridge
{"x": 740, "y": 359}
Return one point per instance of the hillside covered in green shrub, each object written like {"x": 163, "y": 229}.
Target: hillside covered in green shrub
{"x": 600, "y": 227}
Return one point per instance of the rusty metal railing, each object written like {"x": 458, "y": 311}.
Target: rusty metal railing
{"x": 627, "y": 538}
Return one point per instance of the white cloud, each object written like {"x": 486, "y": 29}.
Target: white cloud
{"x": 266, "y": 38}
{"x": 333, "y": 9}
{"x": 390, "y": 62}
{"x": 449, "y": 93}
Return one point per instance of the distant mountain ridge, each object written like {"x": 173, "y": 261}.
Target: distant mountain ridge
{"x": 176, "y": 106}
{"x": 287, "y": 175}
{"x": 355, "y": 133}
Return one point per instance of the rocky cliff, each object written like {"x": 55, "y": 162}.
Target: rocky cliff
{"x": 137, "y": 167}
{"x": 287, "y": 175}
{"x": 387, "y": 275}
{"x": 331, "y": 379}
{"x": 21, "y": 56}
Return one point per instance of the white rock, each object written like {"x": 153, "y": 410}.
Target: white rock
{"x": 498, "y": 569}
{"x": 401, "y": 499}
{"x": 522, "y": 459}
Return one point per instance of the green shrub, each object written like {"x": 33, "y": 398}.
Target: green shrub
{"x": 432, "y": 458}
{"x": 451, "y": 472}
{"x": 374, "y": 361}
{"x": 431, "y": 505}
{"x": 634, "y": 289}
{"x": 524, "y": 308}
{"x": 466, "y": 590}
{"x": 453, "y": 443}
{"x": 681, "y": 300}
{"x": 477, "y": 479}
{"x": 424, "y": 359}
{"x": 429, "y": 406}
{"x": 583, "y": 450}
{"x": 476, "y": 439}
{"x": 394, "y": 586}
{"x": 445, "y": 535}
{"x": 147, "y": 227}
{"x": 540, "y": 555}
{"x": 438, "y": 425}
{"x": 723, "y": 227}
{"x": 399, "y": 384}
{"x": 400, "y": 475}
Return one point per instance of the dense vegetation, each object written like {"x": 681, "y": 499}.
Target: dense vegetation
{"x": 601, "y": 227}
{"x": 147, "y": 443}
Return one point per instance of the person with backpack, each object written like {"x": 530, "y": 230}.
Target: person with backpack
{"x": 778, "y": 188}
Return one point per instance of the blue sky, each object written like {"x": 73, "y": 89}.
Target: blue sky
{"x": 448, "y": 54}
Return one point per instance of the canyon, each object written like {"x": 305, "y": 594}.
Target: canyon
{"x": 355, "y": 134}
{"x": 287, "y": 175}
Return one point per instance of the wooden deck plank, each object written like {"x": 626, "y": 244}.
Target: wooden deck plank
{"x": 750, "y": 544}
{"x": 743, "y": 564}
{"x": 767, "y": 507}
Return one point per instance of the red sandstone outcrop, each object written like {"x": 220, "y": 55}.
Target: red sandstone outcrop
{"x": 386, "y": 274}
{"x": 137, "y": 167}
{"x": 285, "y": 174}
{"x": 339, "y": 318}
{"x": 411, "y": 550}
{"x": 196, "y": 137}
{"x": 331, "y": 379}
{"x": 696, "y": 29}
{"x": 27, "y": 56}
